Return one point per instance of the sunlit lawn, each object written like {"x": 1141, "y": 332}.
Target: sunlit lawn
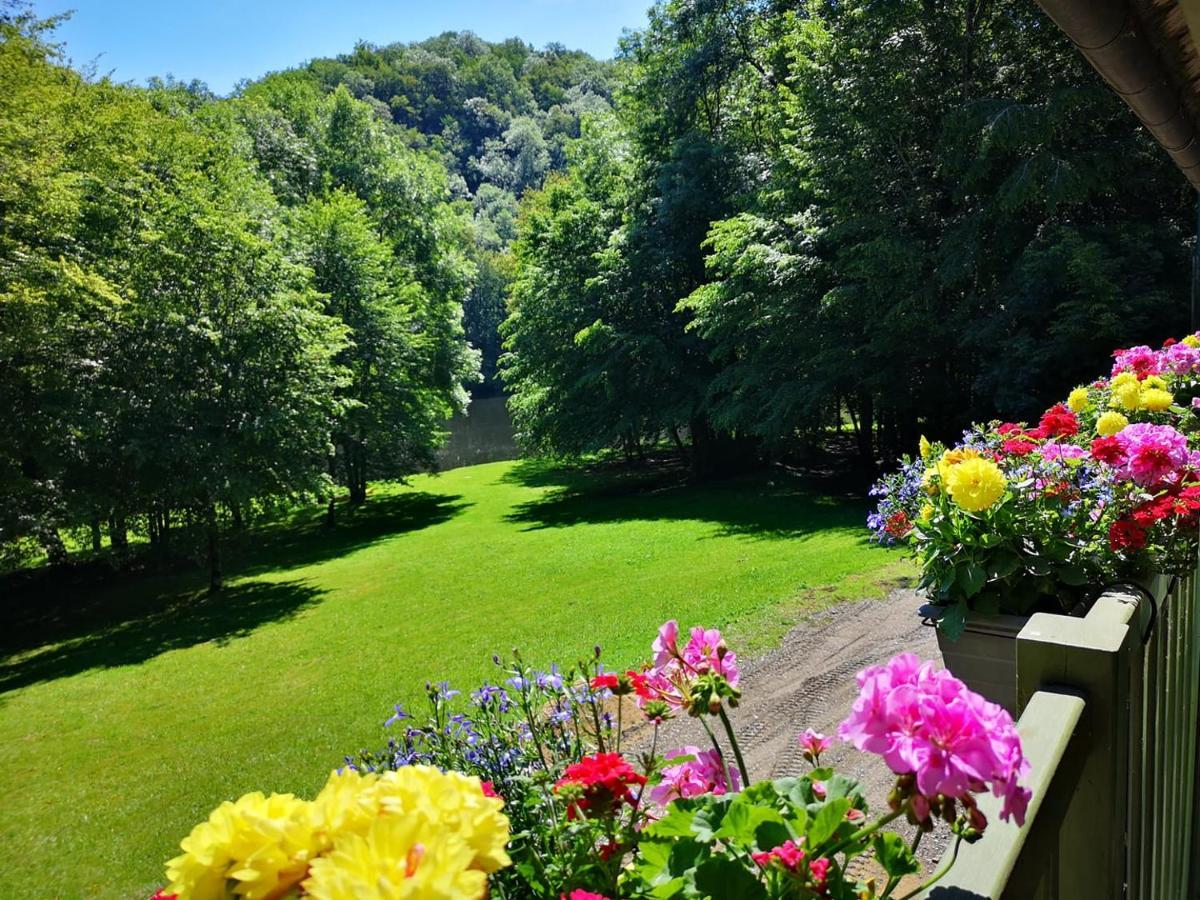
{"x": 148, "y": 706}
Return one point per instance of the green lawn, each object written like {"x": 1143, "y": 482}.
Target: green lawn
{"x": 123, "y": 723}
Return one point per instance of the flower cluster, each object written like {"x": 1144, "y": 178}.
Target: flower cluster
{"x": 692, "y": 772}
{"x": 425, "y": 832}
{"x": 1106, "y": 485}
{"x": 695, "y": 678}
{"x": 926, "y": 723}
{"x": 598, "y": 823}
{"x": 598, "y": 784}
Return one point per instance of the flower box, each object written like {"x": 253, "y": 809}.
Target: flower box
{"x": 1013, "y": 520}
{"x": 984, "y": 657}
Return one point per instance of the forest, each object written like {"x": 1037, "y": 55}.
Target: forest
{"x": 762, "y": 220}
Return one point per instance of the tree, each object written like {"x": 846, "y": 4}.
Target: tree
{"x": 395, "y": 401}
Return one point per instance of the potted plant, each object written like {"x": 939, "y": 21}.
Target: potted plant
{"x": 1014, "y": 519}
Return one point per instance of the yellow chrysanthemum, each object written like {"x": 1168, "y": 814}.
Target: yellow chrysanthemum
{"x": 952, "y": 458}
{"x": 258, "y": 847}
{"x": 454, "y": 800}
{"x": 1078, "y": 399}
{"x": 398, "y": 857}
{"x": 926, "y": 513}
{"x": 924, "y": 447}
{"x": 1153, "y": 381}
{"x": 1126, "y": 395}
{"x": 975, "y": 484}
{"x": 1191, "y": 340}
{"x": 1110, "y": 423}
{"x": 347, "y": 804}
{"x": 1155, "y": 399}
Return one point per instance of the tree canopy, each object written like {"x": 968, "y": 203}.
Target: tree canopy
{"x": 909, "y": 215}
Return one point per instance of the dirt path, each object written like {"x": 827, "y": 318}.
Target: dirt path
{"x": 809, "y": 682}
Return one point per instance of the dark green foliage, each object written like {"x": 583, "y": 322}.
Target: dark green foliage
{"x": 918, "y": 215}
{"x": 207, "y": 306}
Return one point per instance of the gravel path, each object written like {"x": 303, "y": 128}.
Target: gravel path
{"x": 809, "y": 681}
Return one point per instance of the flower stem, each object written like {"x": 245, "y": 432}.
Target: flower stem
{"x": 737, "y": 751}
{"x": 865, "y": 831}
{"x": 939, "y": 874}
{"x": 620, "y": 706}
{"x": 720, "y": 753}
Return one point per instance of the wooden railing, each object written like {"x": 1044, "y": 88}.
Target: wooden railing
{"x": 1109, "y": 721}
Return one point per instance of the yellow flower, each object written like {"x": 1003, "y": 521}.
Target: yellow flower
{"x": 454, "y": 800}
{"x": 1153, "y": 381}
{"x": 926, "y": 513}
{"x": 255, "y": 848}
{"x": 398, "y": 857}
{"x": 975, "y": 484}
{"x": 1127, "y": 394}
{"x": 347, "y": 804}
{"x": 1155, "y": 399}
{"x": 1110, "y": 423}
{"x": 1191, "y": 340}
{"x": 923, "y": 446}
{"x": 1078, "y": 399}
{"x": 952, "y": 458}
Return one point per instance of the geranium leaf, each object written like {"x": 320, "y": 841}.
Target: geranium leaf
{"x": 827, "y": 821}
{"x": 894, "y": 855}
{"x": 954, "y": 621}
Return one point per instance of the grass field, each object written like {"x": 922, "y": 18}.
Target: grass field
{"x": 124, "y": 722}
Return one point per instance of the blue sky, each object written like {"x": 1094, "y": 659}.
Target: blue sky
{"x": 223, "y": 41}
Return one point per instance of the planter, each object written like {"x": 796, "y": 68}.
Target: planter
{"x": 984, "y": 657}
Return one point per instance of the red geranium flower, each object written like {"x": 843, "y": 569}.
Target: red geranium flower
{"x": 897, "y": 524}
{"x": 1108, "y": 449}
{"x": 1059, "y": 421}
{"x": 606, "y": 781}
{"x": 489, "y": 789}
{"x": 606, "y": 680}
{"x": 1126, "y": 535}
{"x": 1019, "y": 446}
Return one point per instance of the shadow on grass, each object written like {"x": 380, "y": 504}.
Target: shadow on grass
{"x": 768, "y": 505}
{"x": 303, "y": 539}
{"x": 57, "y": 626}
{"x": 190, "y": 619}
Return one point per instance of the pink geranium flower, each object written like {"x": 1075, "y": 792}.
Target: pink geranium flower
{"x": 697, "y": 773}
{"x": 925, "y": 722}
{"x": 1140, "y": 360}
{"x": 1153, "y": 453}
{"x": 813, "y": 743}
{"x": 706, "y": 652}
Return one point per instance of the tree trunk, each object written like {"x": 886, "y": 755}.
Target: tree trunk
{"x": 717, "y": 454}
{"x": 52, "y": 543}
{"x": 214, "y": 550}
{"x": 866, "y": 429}
{"x": 97, "y": 536}
{"x": 682, "y": 450}
{"x": 118, "y": 535}
{"x": 331, "y": 510}
{"x": 235, "y": 512}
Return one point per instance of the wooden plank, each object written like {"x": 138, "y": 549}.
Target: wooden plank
{"x": 984, "y": 869}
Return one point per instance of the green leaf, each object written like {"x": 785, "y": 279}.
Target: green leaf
{"x": 971, "y": 578}
{"x": 678, "y": 821}
{"x": 827, "y": 821}
{"x": 1072, "y": 575}
{"x": 954, "y": 621}
{"x": 727, "y": 877}
{"x": 893, "y": 853}
{"x": 742, "y": 820}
